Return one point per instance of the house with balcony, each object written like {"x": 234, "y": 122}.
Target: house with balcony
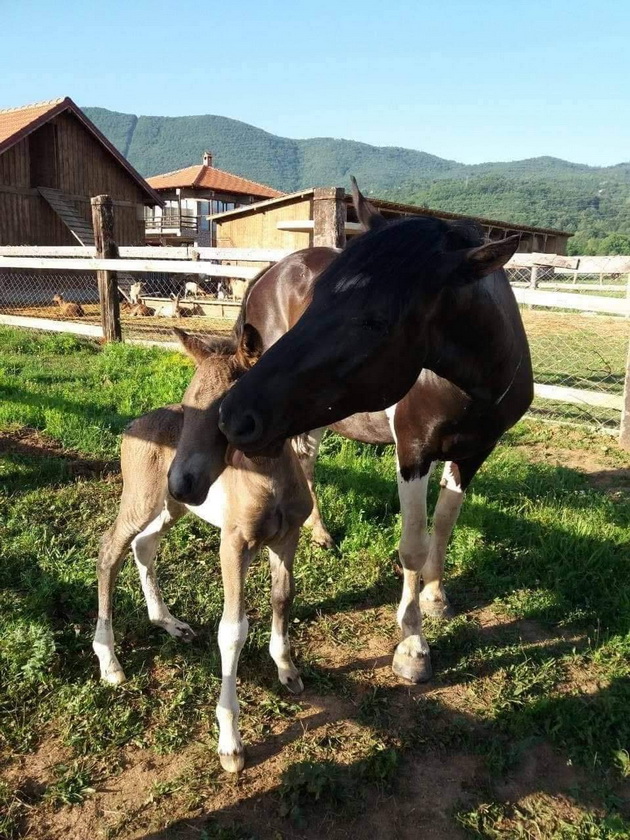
{"x": 192, "y": 197}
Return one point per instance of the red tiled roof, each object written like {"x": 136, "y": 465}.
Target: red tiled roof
{"x": 18, "y": 123}
{"x": 210, "y": 178}
{"x": 14, "y": 120}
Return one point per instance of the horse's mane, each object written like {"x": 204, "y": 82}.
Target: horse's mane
{"x": 237, "y": 330}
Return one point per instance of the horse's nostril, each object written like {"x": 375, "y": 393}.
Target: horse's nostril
{"x": 247, "y": 428}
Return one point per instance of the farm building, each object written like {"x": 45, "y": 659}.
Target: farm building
{"x": 326, "y": 217}
{"x": 192, "y": 196}
{"x": 53, "y": 160}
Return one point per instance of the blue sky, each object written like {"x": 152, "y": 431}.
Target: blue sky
{"x": 473, "y": 81}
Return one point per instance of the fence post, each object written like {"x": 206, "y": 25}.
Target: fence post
{"x": 106, "y": 248}
{"x": 624, "y": 432}
{"x": 533, "y": 279}
{"x": 329, "y": 217}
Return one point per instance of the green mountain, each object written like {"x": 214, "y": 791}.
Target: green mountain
{"x": 594, "y": 202}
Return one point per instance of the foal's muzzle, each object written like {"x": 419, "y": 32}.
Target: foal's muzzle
{"x": 186, "y": 487}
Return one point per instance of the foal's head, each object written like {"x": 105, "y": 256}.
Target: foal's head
{"x": 362, "y": 342}
{"x": 200, "y": 455}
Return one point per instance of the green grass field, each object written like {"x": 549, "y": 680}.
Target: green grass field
{"x": 523, "y": 733}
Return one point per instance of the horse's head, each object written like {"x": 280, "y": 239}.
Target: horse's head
{"x": 201, "y": 449}
{"x": 364, "y": 338}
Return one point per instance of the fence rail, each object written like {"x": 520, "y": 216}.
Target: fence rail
{"x": 579, "y": 340}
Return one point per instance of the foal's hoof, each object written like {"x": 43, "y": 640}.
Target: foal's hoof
{"x": 437, "y": 609}
{"x": 293, "y": 682}
{"x": 232, "y": 763}
{"x": 413, "y": 669}
{"x": 321, "y": 537}
{"x": 178, "y": 629}
{"x": 115, "y": 677}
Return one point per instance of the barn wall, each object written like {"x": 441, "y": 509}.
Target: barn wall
{"x": 259, "y": 229}
{"x": 84, "y": 169}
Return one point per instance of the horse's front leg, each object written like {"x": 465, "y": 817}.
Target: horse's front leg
{"x": 282, "y": 591}
{"x": 236, "y": 555}
{"x": 412, "y": 659}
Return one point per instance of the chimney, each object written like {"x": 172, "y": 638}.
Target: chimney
{"x": 207, "y": 158}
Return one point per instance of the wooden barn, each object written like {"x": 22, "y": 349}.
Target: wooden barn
{"x": 326, "y": 217}
{"x": 192, "y": 197}
{"x": 53, "y": 160}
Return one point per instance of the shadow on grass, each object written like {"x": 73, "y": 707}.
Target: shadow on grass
{"x": 426, "y": 762}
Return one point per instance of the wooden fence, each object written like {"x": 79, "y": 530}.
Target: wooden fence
{"x": 228, "y": 263}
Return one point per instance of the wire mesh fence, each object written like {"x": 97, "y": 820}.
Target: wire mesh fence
{"x": 579, "y": 355}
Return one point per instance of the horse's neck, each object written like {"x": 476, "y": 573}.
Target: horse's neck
{"x": 476, "y": 342}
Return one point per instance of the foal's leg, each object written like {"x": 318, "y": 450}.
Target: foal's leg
{"x": 114, "y": 547}
{"x": 412, "y": 659}
{"x": 282, "y": 591}
{"x": 306, "y": 447}
{"x": 144, "y": 548}
{"x": 236, "y": 556}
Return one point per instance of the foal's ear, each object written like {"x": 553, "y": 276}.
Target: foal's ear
{"x": 250, "y": 346}
{"x": 367, "y": 213}
{"x": 487, "y": 258}
{"x": 194, "y": 347}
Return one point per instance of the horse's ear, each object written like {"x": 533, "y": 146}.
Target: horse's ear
{"x": 478, "y": 262}
{"x": 250, "y": 346}
{"x": 194, "y": 347}
{"x": 367, "y": 214}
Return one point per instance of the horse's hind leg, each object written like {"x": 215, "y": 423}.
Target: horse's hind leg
{"x": 282, "y": 591}
{"x": 455, "y": 479}
{"x": 306, "y": 447}
{"x": 114, "y": 546}
{"x": 144, "y": 548}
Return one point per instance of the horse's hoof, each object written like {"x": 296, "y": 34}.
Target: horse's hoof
{"x": 232, "y": 763}
{"x": 437, "y": 609}
{"x": 413, "y": 669}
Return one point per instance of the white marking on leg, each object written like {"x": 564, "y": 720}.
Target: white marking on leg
{"x": 103, "y": 646}
{"x": 433, "y": 597}
{"x": 144, "y": 548}
{"x": 232, "y": 636}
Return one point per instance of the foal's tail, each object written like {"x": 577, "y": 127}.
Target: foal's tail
{"x": 237, "y": 331}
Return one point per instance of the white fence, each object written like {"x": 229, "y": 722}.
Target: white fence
{"x": 540, "y": 281}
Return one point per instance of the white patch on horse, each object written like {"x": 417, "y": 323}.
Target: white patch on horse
{"x": 232, "y": 636}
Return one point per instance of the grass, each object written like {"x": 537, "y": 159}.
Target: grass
{"x": 527, "y": 714}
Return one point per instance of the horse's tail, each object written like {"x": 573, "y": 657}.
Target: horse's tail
{"x": 240, "y": 321}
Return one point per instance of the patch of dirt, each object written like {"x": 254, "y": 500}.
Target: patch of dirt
{"x": 32, "y": 443}
{"x": 601, "y": 469}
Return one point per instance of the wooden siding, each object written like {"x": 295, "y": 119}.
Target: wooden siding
{"x": 84, "y": 169}
{"x": 259, "y": 230}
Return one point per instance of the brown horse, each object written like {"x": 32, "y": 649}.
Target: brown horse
{"x": 415, "y": 326}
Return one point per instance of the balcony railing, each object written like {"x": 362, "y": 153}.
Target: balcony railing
{"x": 172, "y": 222}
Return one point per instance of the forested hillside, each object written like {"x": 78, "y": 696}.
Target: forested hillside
{"x": 590, "y": 201}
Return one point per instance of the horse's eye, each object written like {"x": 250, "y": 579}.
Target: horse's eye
{"x": 374, "y": 324}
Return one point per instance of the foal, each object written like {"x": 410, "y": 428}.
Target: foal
{"x": 255, "y": 501}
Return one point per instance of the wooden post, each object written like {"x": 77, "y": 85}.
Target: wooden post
{"x": 533, "y": 280}
{"x": 106, "y": 248}
{"x": 329, "y": 217}
{"x": 624, "y": 431}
